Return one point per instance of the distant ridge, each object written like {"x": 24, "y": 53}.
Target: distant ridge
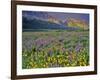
{"x": 39, "y": 24}
{"x": 42, "y": 20}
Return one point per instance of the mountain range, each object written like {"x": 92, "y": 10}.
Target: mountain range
{"x": 43, "y": 20}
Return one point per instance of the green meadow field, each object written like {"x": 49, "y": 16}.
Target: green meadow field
{"x": 55, "y": 48}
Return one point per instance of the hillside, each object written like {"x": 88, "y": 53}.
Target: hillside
{"x": 71, "y": 22}
{"x": 39, "y": 24}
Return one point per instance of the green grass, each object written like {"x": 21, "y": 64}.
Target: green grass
{"x": 55, "y": 49}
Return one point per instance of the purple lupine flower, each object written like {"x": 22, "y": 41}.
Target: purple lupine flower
{"x": 42, "y": 42}
{"x": 78, "y": 47}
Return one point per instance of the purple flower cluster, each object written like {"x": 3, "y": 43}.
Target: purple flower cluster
{"x": 42, "y": 42}
{"x": 78, "y": 47}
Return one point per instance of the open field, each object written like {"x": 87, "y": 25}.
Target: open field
{"x": 46, "y": 49}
